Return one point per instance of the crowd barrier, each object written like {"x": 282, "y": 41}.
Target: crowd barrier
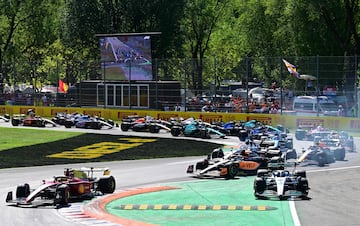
{"x": 292, "y": 122}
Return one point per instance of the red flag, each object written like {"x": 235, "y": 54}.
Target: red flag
{"x": 63, "y": 87}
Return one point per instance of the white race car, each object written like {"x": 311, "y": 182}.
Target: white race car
{"x": 280, "y": 183}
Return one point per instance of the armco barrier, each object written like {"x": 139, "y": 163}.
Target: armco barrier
{"x": 290, "y": 121}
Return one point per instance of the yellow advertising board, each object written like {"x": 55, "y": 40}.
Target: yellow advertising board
{"x": 290, "y": 121}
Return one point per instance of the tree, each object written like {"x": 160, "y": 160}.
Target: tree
{"x": 28, "y": 28}
{"x": 199, "y": 23}
{"x": 342, "y": 19}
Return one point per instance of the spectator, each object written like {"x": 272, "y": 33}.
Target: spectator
{"x": 264, "y": 108}
{"x": 273, "y": 85}
{"x": 177, "y": 107}
{"x": 353, "y": 111}
{"x": 341, "y": 111}
{"x": 252, "y": 106}
{"x": 207, "y": 107}
{"x": 290, "y": 94}
{"x": 273, "y": 109}
{"x": 28, "y": 99}
{"x": 44, "y": 100}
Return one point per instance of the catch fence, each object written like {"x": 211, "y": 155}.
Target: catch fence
{"x": 252, "y": 85}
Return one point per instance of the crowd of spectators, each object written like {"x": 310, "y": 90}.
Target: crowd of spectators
{"x": 28, "y": 99}
{"x": 267, "y": 104}
{"x": 242, "y": 105}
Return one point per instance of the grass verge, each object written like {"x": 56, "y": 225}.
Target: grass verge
{"x": 18, "y": 137}
{"x": 30, "y": 147}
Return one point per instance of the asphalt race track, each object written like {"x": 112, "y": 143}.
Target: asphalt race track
{"x": 334, "y": 189}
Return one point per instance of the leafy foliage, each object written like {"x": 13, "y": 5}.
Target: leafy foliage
{"x": 36, "y": 36}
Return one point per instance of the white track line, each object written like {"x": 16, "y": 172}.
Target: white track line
{"x": 292, "y": 203}
{"x": 333, "y": 169}
{"x": 294, "y": 215}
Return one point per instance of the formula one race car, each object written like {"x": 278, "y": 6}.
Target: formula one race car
{"x": 144, "y": 124}
{"x": 281, "y": 142}
{"x": 82, "y": 121}
{"x": 72, "y": 186}
{"x": 195, "y": 128}
{"x": 280, "y": 183}
{"x": 316, "y": 155}
{"x": 334, "y": 146}
{"x": 241, "y": 161}
{"x": 231, "y": 128}
{"x": 31, "y": 120}
{"x": 309, "y": 132}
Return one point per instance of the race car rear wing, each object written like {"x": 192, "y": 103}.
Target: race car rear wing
{"x": 90, "y": 171}
{"x": 85, "y": 172}
{"x": 277, "y": 165}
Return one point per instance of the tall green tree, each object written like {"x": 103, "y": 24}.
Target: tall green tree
{"x": 27, "y": 29}
{"x": 200, "y": 21}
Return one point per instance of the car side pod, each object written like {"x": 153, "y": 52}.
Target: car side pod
{"x": 9, "y": 196}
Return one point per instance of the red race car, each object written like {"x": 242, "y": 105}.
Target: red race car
{"x": 75, "y": 184}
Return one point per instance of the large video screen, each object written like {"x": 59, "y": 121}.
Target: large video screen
{"x": 126, "y": 57}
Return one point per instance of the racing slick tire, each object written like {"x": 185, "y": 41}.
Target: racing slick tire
{"x": 300, "y": 173}
{"x": 107, "y": 185}
{"x": 289, "y": 143}
{"x": 339, "y": 154}
{"x": 303, "y": 186}
{"x": 62, "y": 195}
{"x": 22, "y": 191}
{"x": 351, "y": 147}
{"x": 232, "y": 170}
{"x": 204, "y": 133}
{"x": 291, "y": 154}
{"x": 125, "y": 126}
{"x": 15, "y": 122}
{"x": 68, "y": 124}
{"x": 330, "y": 156}
{"x": 175, "y": 131}
{"x": 321, "y": 158}
{"x": 300, "y": 134}
{"x": 154, "y": 129}
{"x": 243, "y": 135}
{"x": 259, "y": 187}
